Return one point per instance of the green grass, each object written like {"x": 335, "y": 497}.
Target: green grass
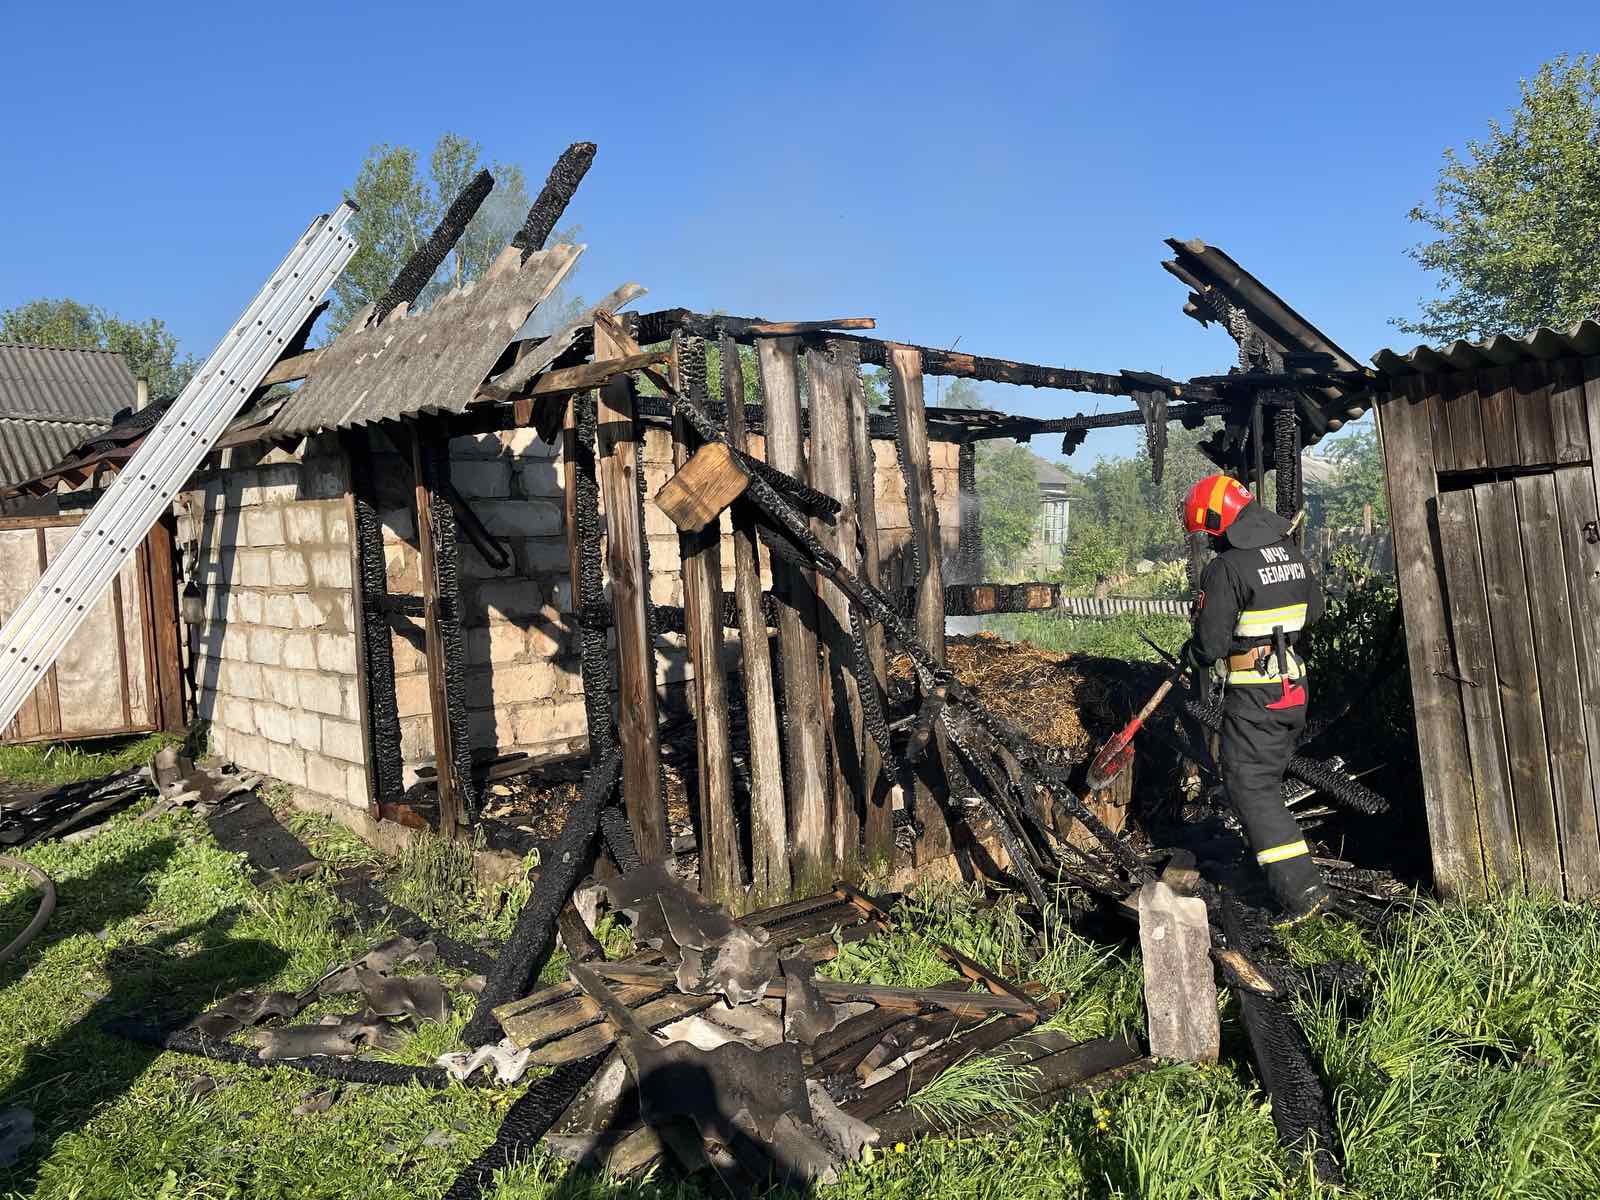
{"x": 1474, "y": 1070}
{"x": 1108, "y": 637}
{"x": 45, "y": 764}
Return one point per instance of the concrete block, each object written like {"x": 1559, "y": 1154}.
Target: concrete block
{"x": 251, "y": 753}
{"x": 496, "y": 643}
{"x": 540, "y": 724}
{"x": 543, "y": 556}
{"x": 505, "y": 600}
{"x": 411, "y": 696}
{"x": 550, "y": 633}
{"x": 300, "y": 651}
{"x": 330, "y": 568}
{"x": 312, "y": 611}
{"x": 398, "y": 525}
{"x": 337, "y": 522}
{"x": 244, "y": 680}
{"x": 320, "y": 694}
{"x": 266, "y": 646}
{"x": 327, "y": 775}
{"x": 236, "y": 714}
{"x": 492, "y": 727}
{"x": 254, "y": 568}
{"x": 472, "y": 446}
{"x": 308, "y": 730}
{"x": 513, "y": 683}
{"x": 1180, "y": 990}
{"x": 325, "y": 480}
{"x": 520, "y": 518}
{"x": 244, "y": 606}
{"x": 559, "y": 593}
{"x": 657, "y": 446}
{"x": 416, "y": 738}
{"x": 274, "y": 723}
{"x": 289, "y": 569}
{"x": 288, "y": 763}
{"x": 525, "y": 441}
{"x": 342, "y": 739}
{"x": 280, "y": 685}
{"x": 356, "y": 790}
{"x": 351, "y": 708}
{"x": 337, "y": 652}
{"x": 482, "y": 479}
{"x": 303, "y": 523}
{"x": 665, "y": 588}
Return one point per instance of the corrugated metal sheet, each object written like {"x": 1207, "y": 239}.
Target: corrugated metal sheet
{"x": 1543, "y": 344}
{"x": 431, "y": 362}
{"x": 74, "y": 385}
{"x": 28, "y": 448}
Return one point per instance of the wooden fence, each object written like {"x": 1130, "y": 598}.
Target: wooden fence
{"x": 119, "y": 674}
{"x": 1493, "y": 502}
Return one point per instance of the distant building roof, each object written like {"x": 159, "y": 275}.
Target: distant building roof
{"x": 51, "y": 400}
{"x": 1316, "y": 469}
{"x": 1501, "y": 350}
{"x": 1049, "y": 475}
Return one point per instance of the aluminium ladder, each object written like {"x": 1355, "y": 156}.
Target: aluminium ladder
{"x": 35, "y": 633}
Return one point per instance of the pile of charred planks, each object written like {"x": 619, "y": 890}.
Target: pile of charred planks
{"x": 726, "y": 1050}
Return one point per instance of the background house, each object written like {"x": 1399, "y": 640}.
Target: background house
{"x": 1055, "y": 513}
{"x": 51, "y": 400}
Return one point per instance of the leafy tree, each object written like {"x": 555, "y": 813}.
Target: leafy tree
{"x": 148, "y": 347}
{"x": 1518, "y": 216}
{"x": 1360, "y": 481}
{"x": 1008, "y": 499}
{"x": 400, "y": 206}
{"x": 1094, "y": 552}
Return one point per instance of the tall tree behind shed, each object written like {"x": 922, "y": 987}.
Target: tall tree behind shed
{"x": 148, "y": 347}
{"x": 1518, "y": 215}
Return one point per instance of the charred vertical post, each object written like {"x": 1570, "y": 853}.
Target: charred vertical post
{"x": 721, "y": 876}
{"x": 769, "y": 834}
{"x": 1286, "y": 457}
{"x": 969, "y": 554}
{"x": 911, "y": 425}
{"x": 414, "y": 276}
{"x": 554, "y": 197}
{"x": 380, "y": 717}
{"x": 617, "y": 453}
{"x": 441, "y": 606}
{"x": 877, "y": 826}
{"x": 811, "y": 853}
{"x": 831, "y": 474}
{"x": 581, "y": 500}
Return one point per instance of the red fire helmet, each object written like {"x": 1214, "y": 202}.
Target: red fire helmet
{"x": 1213, "y": 503}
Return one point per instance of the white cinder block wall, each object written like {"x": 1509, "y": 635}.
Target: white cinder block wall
{"x": 274, "y": 662}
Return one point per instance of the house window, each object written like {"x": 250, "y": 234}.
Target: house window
{"x": 1053, "y": 522}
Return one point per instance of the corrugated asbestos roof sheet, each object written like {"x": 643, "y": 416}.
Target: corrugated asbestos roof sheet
{"x": 48, "y": 384}
{"x": 1502, "y": 350}
{"x": 431, "y": 362}
{"x": 29, "y": 448}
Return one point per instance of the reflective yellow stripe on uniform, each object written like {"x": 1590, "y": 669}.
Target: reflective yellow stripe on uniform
{"x": 1296, "y": 671}
{"x": 1260, "y": 622}
{"x": 1279, "y": 853}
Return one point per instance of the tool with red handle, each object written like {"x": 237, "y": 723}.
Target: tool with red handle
{"x": 1116, "y": 754}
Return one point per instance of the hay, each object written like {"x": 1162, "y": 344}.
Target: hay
{"x": 1049, "y": 695}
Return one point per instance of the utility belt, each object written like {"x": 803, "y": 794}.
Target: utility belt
{"x": 1263, "y": 664}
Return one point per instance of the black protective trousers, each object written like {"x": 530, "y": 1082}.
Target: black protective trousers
{"x": 1257, "y": 743}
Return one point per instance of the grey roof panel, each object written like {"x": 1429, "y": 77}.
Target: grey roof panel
{"x": 50, "y": 384}
{"x": 1501, "y": 350}
{"x": 29, "y": 448}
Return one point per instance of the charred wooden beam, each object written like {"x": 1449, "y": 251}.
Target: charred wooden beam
{"x": 414, "y": 276}
{"x": 554, "y": 197}
{"x": 380, "y": 717}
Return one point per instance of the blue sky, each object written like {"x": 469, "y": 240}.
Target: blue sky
{"x": 999, "y": 175}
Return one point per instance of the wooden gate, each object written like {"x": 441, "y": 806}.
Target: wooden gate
{"x": 119, "y": 674}
{"x": 1493, "y": 499}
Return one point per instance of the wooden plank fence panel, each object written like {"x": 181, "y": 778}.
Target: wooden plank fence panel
{"x": 1527, "y": 752}
{"x": 1581, "y": 565}
{"x": 1460, "y": 393}
{"x": 811, "y": 844}
{"x": 1441, "y": 734}
{"x": 1480, "y": 694}
{"x": 1567, "y": 412}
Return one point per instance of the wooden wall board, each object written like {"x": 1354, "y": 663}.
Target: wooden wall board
{"x": 1496, "y": 398}
{"x": 1536, "y": 437}
{"x": 1580, "y": 564}
{"x": 1441, "y": 734}
{"x": 1480, "y": 693}
{"x": 1527, "y": 753}
{"x": 1567, "y": 411}
{"x": 1460, "y": 396}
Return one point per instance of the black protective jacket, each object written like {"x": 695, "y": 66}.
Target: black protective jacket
{"x": 1258, "y": 584}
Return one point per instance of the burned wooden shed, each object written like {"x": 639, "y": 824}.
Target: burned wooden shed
{"x": 1489, "y": 453}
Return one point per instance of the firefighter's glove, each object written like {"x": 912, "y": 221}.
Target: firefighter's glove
{"x": 1191, "y": 657}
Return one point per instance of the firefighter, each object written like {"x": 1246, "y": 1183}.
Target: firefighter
{"x": 1255, "y": 597}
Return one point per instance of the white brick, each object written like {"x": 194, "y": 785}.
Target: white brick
{"x": 281, "y": 686}
{"x": 320, "y": 694}
{"x": 544, "y": 556}
{"x": 252, "y": 753}
{"x": 266, "y": 646}
{"x": 520, "y": 518}
{"x": 331, "y": 568}
{"x": 245, "y": 606}
{"x": 255, "y": 568}
{"x": 656, "y": 524}
{"x": 337, "y": 652}
{"x": 509, "y": 600}
{"x": 411, "y": 696}
{"x": 288, "y": 764}
{"x": 327, "y": 776}
{"x": 325, "y": 481}
{"x": 544, "y": 723}
{"x": 524, "y": 440}
{"x": 308, "y": 613}
{"x": 342, "y": 739}
{"x": 540, "y": 478}
{"x": 481, "y": 479}
{"x": 351, "y": 709}
{"x": 237, "y": 714}
{"x": 303, "y": 523}
{"x": 308, "y": 731}
{"x": 471, "y": 446}
{"x": 279, "y": 611}
{"x": 263, "y": 527}
{"x": 416, "y": 738}
{"x": 300, "y": 651}
{"x": 356, "y": 790}
{"x": 549, "y": 634}
{"x": 244, "y": 680}
{"x": 289, "y": 569}
{"x": 496, "y": 644}
{"x": 398, "y": 525}
{"x": 338, "y": 523}
{"x": 664, "y": 586}
{"x": 274, "y": 723}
